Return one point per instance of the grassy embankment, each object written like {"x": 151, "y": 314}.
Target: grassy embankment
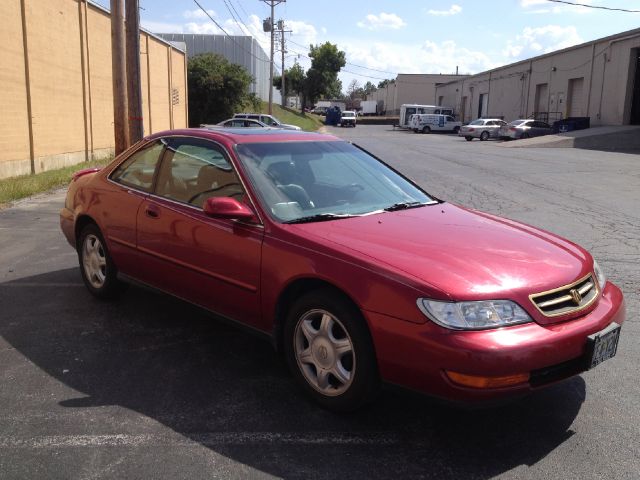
{"x": 305, "y": 121}
{"x": 12, "y": 189}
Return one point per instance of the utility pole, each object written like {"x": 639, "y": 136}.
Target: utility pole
{"x": 272, "y": 4}
{"x": 283, "y": 49}
{"x": 119, "y": 74}
{"x": 136, "y": 127}
{"x": 282, "y": 90}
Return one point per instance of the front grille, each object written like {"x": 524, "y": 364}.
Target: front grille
{"x": 568, "y": 299}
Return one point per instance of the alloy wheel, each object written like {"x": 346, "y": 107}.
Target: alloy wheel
{"x": 324, "y": 352}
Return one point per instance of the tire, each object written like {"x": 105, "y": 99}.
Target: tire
{"x": 329, "y": 351}
{"x": 426, "y": 130}
{"x": 468, "y": 139}
{"x": 456, "y": 130}
{"x": 98, "y": 271}
{"x": 484, "y": 136}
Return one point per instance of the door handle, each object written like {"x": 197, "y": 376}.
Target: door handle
{"x": 151, "y": 211}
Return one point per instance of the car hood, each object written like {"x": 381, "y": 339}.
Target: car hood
{"x": 462, "y": 253}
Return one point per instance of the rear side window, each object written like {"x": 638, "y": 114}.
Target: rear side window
{"x": 138, "y": 170}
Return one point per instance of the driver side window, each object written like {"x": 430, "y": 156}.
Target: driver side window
{"x": 194, "y": 170}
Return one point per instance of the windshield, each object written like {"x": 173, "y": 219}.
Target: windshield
{"x": 477, "y": 122}
{"x": 348, "y": 114}
{"x": 297, "y": 180}
{"x": 515, "y": 123}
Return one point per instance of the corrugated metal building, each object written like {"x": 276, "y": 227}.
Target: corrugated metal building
{"x": 241, "y": 50}
{"x": 598, "y": 79}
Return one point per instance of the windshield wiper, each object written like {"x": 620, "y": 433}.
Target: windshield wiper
{"x": 321, "y": 217}
{"x": 404, "y": 206}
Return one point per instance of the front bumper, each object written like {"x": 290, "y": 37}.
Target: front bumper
{"x": 416, "y": 355}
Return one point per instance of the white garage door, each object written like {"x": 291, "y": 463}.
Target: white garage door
{"x": 576, "y": 99}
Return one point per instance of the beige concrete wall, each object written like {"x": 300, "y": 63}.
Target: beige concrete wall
{"x": 604, "y": 66}
{"x": 64, "y": 79}
{"x": 159, "y": 89}
{"x": 14, "y": 119}
{"x": 411, "y": 88}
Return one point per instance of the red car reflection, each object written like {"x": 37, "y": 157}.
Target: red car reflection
{"x": 357, "y": 274}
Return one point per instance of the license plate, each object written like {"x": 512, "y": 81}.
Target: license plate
{"x": 603, "y": 345}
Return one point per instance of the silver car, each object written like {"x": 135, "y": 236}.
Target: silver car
{"x": 269, "y": 120}
{"x": 482, "y": 128}
{"x": 240, "y": 123}
{"x": 525, "y": 128}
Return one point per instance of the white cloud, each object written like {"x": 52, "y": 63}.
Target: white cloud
{"x": 384, "y": 21}
{"x": 544, "y": 7}
{"x": 538, "y": 40}
{"x": 455, "y": 9}
{"x": 197, "y": 14}
{"x": 430, "y": 57}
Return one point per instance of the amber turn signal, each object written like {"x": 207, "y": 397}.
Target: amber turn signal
{"x": 474, "y": 381}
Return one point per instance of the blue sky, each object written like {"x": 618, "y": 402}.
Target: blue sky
{"x": 390, "y": 37}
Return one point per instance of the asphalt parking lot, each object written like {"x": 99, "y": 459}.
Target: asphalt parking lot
{"x": 149, "y": 387}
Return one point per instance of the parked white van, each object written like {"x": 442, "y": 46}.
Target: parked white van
{"x": 408, "y": 109}
{"x": 427, "y": 123}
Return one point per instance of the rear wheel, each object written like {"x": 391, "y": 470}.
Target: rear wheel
{"x": 426, "y": 130}
{"x": 329, "y": 351}
{"x": 468, "y": 139}
{"x": 456, "y": 130}
{"x": 484, "y": 136}
{"x": 99, "y": 273}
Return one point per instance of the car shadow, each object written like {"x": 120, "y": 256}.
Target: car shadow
{"x": 227, "y": 390}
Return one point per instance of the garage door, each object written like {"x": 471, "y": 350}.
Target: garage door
{"x": 576, "y": 99}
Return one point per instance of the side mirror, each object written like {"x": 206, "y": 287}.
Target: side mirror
{"x": 227, "y": 207}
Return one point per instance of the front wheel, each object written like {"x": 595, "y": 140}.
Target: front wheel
{"x": 468, "y": 139}
{"x": 426, "y": 130}
{"x": 329, "y": 351}
{"x": 99, "y": 273}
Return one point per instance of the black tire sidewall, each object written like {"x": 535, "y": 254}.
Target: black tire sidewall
{"x": 112, "y": 286}
{"x": 365, "y": 383}
{"x": 484, "y": 136}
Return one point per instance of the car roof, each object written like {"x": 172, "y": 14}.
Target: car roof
{"x": 248, "y": 135}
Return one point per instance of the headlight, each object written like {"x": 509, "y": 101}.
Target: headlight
{"x": 602, "y": 279}
{"x": 473, "y": 315}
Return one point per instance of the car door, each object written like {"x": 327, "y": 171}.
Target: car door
{"x": 129, "y": 184}
{"x": 209, "y": 261}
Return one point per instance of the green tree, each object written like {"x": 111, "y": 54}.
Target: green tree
{"x": 369, "y": 88}
{"x": 322, "y": 77}
{"x": 384, "y": 83}
{"x": 294, "y": 80}
{"x": 217, "y": 88}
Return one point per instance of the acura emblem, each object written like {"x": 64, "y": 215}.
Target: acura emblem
{"x": 575, "y": 296}
{"x": 322, "y": 351}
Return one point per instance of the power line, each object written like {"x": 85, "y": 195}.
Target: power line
{"x": 594, "y": 6}
{"x": 353, "y": 64}
{"x": 227, "y": 34}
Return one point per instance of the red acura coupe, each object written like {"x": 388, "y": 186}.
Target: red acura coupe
{"x": 355, "y": 273}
